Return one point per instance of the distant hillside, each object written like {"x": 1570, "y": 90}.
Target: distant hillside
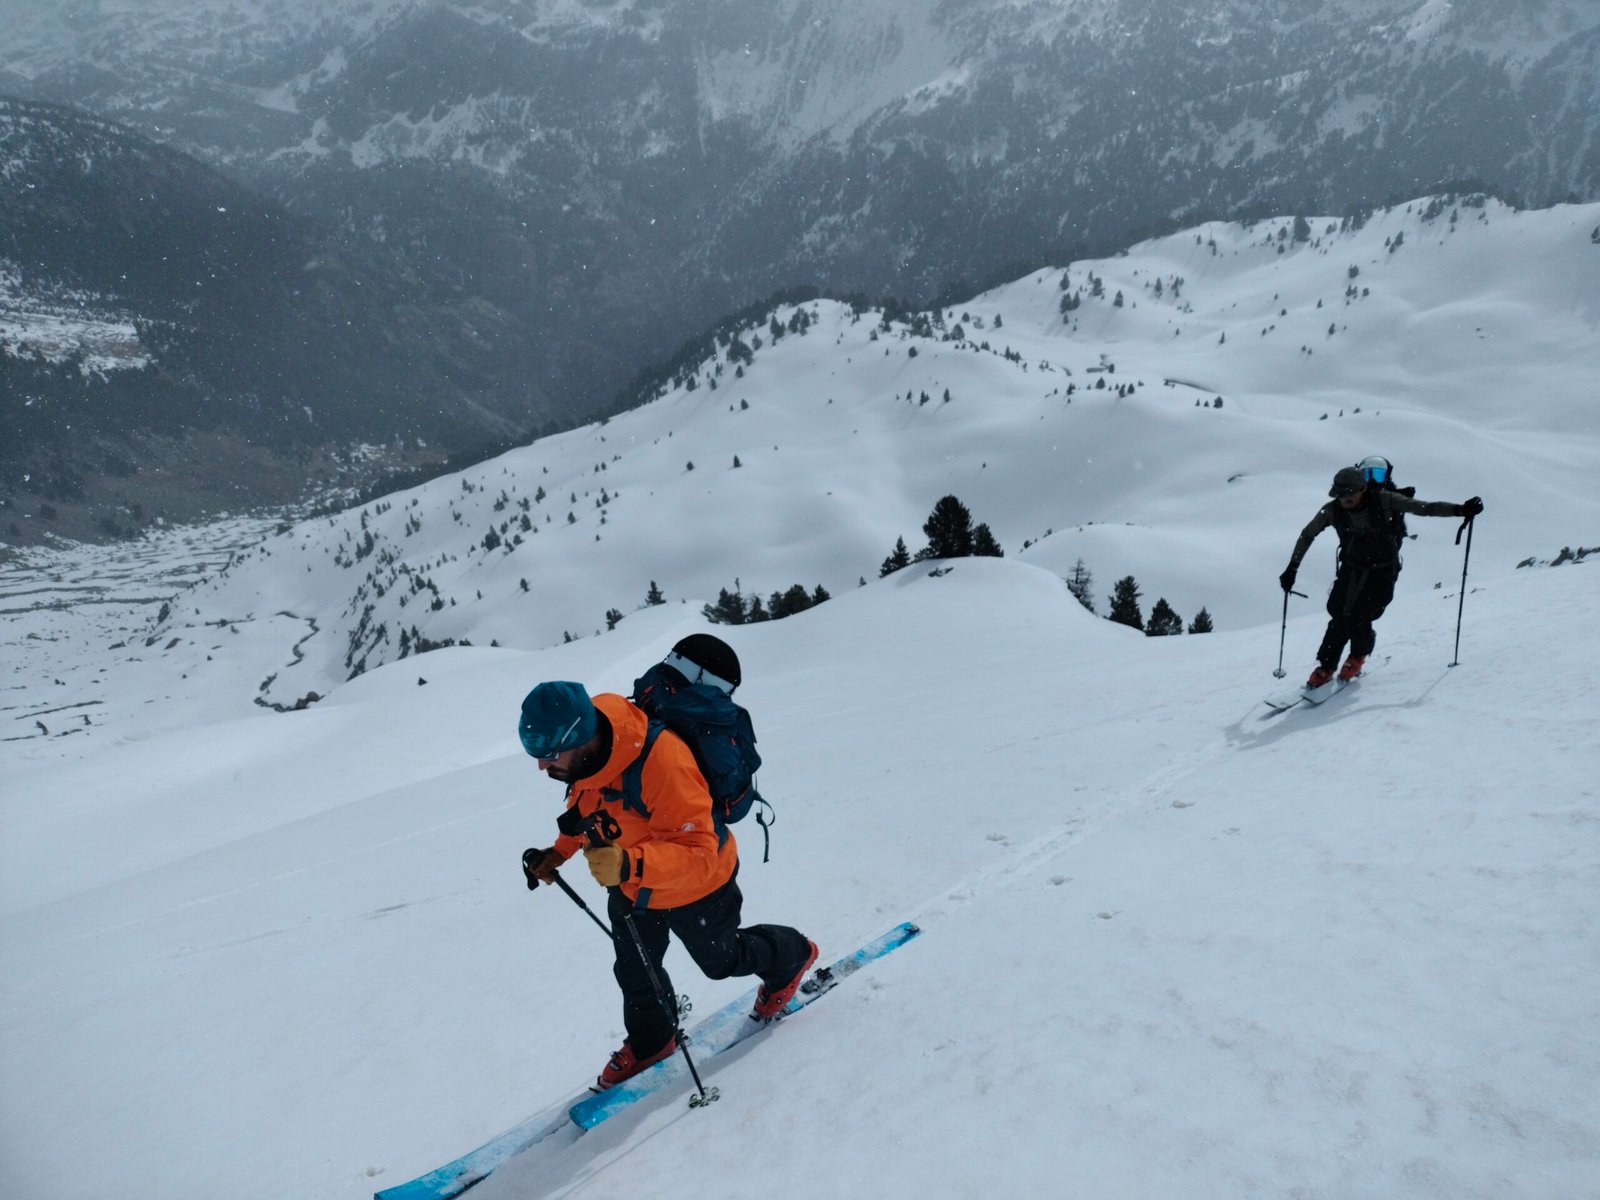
{"x": 623, "y": 173}
{"x": 146, "y": 301}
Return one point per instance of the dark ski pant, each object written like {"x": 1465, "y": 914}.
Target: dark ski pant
{"x": 1358, "y": 598}
{"x": 709, "y": 930}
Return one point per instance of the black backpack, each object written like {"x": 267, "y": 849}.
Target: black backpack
{"x": 719, "y": 734}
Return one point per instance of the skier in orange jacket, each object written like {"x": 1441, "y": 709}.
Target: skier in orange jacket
{"x": 658, "y": 857}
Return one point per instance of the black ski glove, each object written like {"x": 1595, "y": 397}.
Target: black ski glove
{"x": 1471, "y": 508}
{"x": 1286, "y": 580}
{"x": 539, "y": 866}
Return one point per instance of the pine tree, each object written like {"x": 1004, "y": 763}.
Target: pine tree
{"x": 787, "y": 603}
{"x": 1125, "y": 603}
{"x": 613, "y": 615}
{"x": 756, "y": 612}
{"x": 1163, "y": 621}
{"x": 984, "y": 544}
{"x": 900, "y": 558}
{"x": 728, "y": 610}
{"x": 1201, "y": 622}
{"x": 1081, "y": 584}
{"x": 949, "y": 530}
{"x": 654, "y": 596}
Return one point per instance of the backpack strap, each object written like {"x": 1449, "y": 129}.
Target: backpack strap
{"x": 633, "y": 773}
{"x": 766, "y": 817}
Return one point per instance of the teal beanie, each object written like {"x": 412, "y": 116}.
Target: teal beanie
{"x": 556, "y": 716}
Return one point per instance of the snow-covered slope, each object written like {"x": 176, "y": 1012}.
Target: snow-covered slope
{"x": 1183, "y": 438}
{"x": 1175, "y": 946}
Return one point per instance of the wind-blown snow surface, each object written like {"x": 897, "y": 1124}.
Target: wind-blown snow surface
{"x": 1175, "y": 946}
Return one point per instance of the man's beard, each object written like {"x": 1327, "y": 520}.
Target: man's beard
{"x": 582, "y": 765}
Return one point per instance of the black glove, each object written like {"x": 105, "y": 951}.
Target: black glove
{"x": 539, "y": 866}
{"x": 1286, "y": 580}
{"x": 1471, "y": 508}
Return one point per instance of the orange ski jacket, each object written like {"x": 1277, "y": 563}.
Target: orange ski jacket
{"x": 673, "y": 853}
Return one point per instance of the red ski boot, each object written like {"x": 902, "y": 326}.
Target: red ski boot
{"x": 625, "y": 1065}
{"x": 770, "y": 1000}
{"x": 1352, "y": 667}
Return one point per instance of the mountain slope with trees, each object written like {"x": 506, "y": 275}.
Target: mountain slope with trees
{"x": 147, "y": 300}
{"x": 809, "y": 459}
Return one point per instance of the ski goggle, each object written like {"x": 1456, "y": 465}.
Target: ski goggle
{"x": 548, "y": 747}
{"x": 1375, "y": 469}
{"x": 695, "y": 673}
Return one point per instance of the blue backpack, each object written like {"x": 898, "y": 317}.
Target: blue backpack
{"x": 719, "y": 734}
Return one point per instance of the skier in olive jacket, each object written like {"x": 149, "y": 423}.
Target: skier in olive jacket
{"x": 1365, "y": 518}
{"x": 661, "y": 860}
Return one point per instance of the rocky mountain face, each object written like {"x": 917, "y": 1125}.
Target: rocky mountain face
{"x": 616, "y": 174}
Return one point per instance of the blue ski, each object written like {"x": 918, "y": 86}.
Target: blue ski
{"x": 456, "y": 1177}
{"x": 565, "y": 1122}
{"x": 729, "y": 1026}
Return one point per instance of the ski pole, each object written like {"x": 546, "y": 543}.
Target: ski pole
{"x": 588, "y": 830}
{"x": 670, "y": 1007}
{"x": 1284, "y": 629}
{"x": 1461, "y": 603}
{"x": 566, "y": 887}
{"x": 578, "y": 900}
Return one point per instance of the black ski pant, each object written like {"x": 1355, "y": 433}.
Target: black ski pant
{"x": 709, "y": 930}
{"x": 1357, "y": 599}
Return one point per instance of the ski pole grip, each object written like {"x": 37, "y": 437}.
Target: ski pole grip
{"x": 532, "y": 859}
{"x": 586, "y": 829}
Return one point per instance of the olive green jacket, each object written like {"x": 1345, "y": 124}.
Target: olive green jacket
{"x": 1365, "y": 521}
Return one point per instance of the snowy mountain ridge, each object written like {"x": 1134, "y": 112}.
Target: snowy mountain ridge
{"x": 1445, "y": 335}
{"x": 1462, "y": 348}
